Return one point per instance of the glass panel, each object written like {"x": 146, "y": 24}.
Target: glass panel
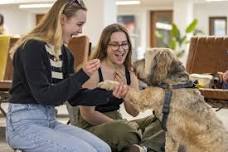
{"x": 220, "y": 27}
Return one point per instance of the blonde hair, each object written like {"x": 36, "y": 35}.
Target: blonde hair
{"x": 101, "y": 50}
{"x": 49, "y": 29}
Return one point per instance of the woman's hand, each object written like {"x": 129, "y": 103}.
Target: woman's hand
{"x": 120, "y": 91}
{"x": 225, "y": 76}
{"x": 91, "y": 66}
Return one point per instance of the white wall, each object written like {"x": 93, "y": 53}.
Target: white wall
{"x": 183, "y": 13}
{"x": 100, "y": 14}
{"x": 205, "y": 10}
{"x": 17, "y": 21}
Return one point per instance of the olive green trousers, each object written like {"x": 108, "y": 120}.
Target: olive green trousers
{"x": 122, "y": 133}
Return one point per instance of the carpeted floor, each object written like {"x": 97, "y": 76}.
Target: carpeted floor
{"x": 4, "y": 147}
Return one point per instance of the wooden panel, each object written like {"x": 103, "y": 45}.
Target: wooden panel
{"x": 208, "y": 55}
{"x": 39, "y": 18}
{"x": 80, "y": 48}
{"x": 160, "y": 16}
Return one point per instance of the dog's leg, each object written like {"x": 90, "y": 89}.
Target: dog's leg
{"x": 170, "y": 144}
{"x": 145, "y": 99}
{"x": 132, "y": 95}
{"x": 108, "y": 84}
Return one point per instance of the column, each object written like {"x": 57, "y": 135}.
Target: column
{"x": 100, "y": 14}
{"x": 182, "y": 16}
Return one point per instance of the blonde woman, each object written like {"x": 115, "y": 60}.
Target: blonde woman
{"x": 44, "y": 78}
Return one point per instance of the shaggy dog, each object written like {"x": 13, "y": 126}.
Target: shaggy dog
{"x": 191, "y": 121}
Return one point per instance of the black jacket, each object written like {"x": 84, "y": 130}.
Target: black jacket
{"x": 32, "y": 79}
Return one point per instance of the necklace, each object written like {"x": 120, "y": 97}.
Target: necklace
{"x": 118, "y": 76}
{"x": 117, "y": 71}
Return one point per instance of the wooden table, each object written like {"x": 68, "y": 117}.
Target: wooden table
{"x": 218, "y": 98}
{"x": 5, "y": 85}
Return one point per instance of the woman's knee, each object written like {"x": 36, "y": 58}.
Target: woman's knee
{"x": 126, "y": 133}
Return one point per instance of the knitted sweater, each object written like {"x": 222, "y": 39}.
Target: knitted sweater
{"x": 32, "y": 82}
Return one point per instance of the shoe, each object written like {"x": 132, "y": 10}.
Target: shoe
{"x": 135, "y": 148}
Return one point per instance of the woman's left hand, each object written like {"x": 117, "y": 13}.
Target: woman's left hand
{"x": 120, "y": 91}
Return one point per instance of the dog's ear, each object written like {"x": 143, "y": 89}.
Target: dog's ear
{"x": 160, "y": 67}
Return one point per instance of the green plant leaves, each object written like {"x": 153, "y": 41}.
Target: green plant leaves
{"x": 172, "y": 44}
{"x": 178, "y": 39}
{"x": 192, "y": 26}
{"x": 175, "y": 32}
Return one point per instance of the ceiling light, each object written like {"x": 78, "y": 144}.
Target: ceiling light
{"x": 215, "y": 0}
{"x": 45, "y": 5}
{"x": 163, "y": 26}
{"x": 129, "y": 2}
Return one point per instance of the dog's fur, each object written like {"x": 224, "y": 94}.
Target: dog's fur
{"x": 191, "y": 121}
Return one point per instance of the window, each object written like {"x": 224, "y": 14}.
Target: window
{"x": 218, "y": 26}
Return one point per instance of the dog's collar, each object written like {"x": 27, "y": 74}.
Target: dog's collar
{"x": 186, "y": 84}
{"x": 168, "y": 95}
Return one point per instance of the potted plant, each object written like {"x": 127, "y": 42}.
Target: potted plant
{"x": 178, "y": 40}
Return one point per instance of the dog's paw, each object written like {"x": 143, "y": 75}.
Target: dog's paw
{"x": 108, "y": 84}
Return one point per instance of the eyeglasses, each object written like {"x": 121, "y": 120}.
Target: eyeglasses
{"x": 115, "y": 46}
{"x": 78, "y": 2}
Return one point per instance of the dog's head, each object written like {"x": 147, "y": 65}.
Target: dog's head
{"x": 160, "y": 65}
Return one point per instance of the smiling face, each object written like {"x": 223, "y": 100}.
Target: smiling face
{"x": 118, "y": 48}
{"x": 73, "y": 26}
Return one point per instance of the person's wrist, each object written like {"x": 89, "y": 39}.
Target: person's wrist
{"x": 86, "y": 72}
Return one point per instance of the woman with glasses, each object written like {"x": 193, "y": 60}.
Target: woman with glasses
{"x": 114, "y": 50}
{"x": 44, "y": 78}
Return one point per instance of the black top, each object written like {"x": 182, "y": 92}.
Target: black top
{"x": 32, "y": 82}
{"x": 114, "y": 103}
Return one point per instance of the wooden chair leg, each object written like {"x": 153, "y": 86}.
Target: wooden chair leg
{"x": 2, "y": 110}
{"x": 4, "y": 96}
